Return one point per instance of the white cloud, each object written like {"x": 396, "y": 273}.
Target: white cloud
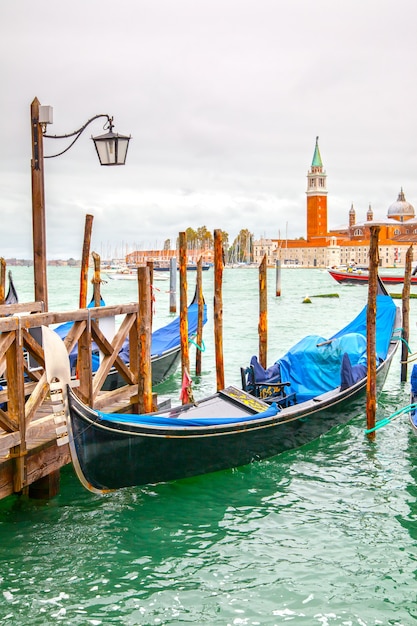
{"x": 223, "y": 101}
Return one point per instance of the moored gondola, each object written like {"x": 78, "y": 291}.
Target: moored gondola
{"x": 229, "y": 428}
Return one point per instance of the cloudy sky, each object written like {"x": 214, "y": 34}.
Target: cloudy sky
{"x": 223, "y": 99}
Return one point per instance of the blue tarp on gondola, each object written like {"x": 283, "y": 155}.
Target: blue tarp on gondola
{"x": 180, "y": 422}
{"x": 314, "y": 365}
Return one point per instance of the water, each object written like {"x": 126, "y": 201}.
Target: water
{"x": 324, "y": 535}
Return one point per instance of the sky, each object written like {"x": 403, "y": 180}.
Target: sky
{"x": 223, "y": 100}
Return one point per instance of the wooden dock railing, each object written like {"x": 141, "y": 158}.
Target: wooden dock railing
{"x": 28, "y": 449}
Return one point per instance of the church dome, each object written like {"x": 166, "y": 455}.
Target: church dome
{"x": 401, "y": 208}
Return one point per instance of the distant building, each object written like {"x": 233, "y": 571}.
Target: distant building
{"x": 141, "y": 257}
{"x": 350, "y": 243}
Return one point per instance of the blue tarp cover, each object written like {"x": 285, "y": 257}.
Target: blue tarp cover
{"x": 179, "y": 422}
{"x": 313, "y": 369}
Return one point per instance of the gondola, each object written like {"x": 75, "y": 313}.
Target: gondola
{"x": 357, "y": 276}
{"x": 231, "y": 427}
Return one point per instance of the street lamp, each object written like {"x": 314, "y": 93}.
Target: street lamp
{"x": 111, "y": 150}
{"x": 111, "y": 147}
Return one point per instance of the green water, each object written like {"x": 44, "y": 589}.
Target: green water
{"x": 324, "y": 535}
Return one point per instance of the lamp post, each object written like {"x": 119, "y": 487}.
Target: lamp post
{"x": 111, "y": 150}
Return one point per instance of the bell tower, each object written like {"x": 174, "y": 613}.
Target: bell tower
{"x": 316, "y": 197}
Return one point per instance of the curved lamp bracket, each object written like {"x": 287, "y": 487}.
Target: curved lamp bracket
{"x": 111, "y": 147}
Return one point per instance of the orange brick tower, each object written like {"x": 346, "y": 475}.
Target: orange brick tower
{"x": 316, "y": 198}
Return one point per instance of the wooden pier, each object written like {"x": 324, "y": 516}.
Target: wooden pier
{"x": 30, "y": 457}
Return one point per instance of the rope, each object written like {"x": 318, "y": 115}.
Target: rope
{"x": 401, "y": 338}
{"x": 406, "y": 409}
{"x": 411, "y": 358}
{"x": 202, "y": 348}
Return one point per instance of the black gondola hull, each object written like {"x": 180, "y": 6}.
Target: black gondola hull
{"x": 108, "y": 458}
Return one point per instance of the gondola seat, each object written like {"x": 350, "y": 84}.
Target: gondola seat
{"x": 351, "y": 374}
{"x": 268, "y": 387}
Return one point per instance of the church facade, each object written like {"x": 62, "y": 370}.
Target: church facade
{"x": 327, "y": 248}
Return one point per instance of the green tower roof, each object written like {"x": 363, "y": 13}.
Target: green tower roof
{"x": 317, "y": 158}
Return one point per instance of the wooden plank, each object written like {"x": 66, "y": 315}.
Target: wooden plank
{"x": 46, "y": 319}
{"x": 6, "y": 479}
{"x": 33, "y": 347}
{"x": 8, "y": 423}
{"x": 21, "y": 307}
{"x": 9, "y": 324}
{"x": 84, "y": 366}
{"x": 36, "y": 398}
{"x": 74, "y": 335}
{"x": 45, "y": 460}
{"x": 111, "y": 351}
{"x": 6, "y": 340}
{"x": 107, "y": 400}
{"x": 8, "y": 441}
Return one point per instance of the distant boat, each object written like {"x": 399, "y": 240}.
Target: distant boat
{"x": 355, "y": 277}
{"x": 164, "y": 266}
{"x": 131, "y": 275}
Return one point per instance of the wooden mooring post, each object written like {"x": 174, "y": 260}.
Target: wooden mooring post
{"x": 2, "y": 280}
{"x": 263, "y": 314}
{"x": 406, "y": 313}
{"x": 371, "y": 332}
{"x": 145, "y": 400}
{"x": 200, "y": 302}
{"x": 278, "y": 273}
{"x": 96, "y": 280}
{"x": 186, "y": 391}
{"x": 218, "y": 307}
{"x": 85, "y": 258}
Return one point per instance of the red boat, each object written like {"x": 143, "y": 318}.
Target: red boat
{"x": 361, "y": 276}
